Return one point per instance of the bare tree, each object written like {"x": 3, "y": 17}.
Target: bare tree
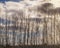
{"x": 15, "y": 26}
{"x": 44, "y": 9}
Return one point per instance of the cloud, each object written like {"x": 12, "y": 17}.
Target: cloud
{"x": 55, "y": 2}
{"x": 13, "y": 7}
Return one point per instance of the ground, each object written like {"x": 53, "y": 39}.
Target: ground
{"x": 39, "y": 46}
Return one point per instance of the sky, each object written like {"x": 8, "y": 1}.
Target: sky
{"x": 10, "y": 0}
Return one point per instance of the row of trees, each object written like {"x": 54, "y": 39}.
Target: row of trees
{"x": 32, "y": 31}
{"x": 49, "y": 11}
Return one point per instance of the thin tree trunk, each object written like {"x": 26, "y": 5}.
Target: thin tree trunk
{"x": 6, "y": 31}
{"x": 31, "y": 33}
{"x": 54, "y": 29}
{"x": 44, "y": 31}
{"x": 51, "y": 29}
{"x": 24, "y": 32}
{"x": 28, "y": 34}
{"x": 20, "y": 32}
